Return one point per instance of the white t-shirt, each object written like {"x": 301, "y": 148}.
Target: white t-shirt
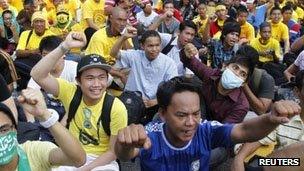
{"x": 299, "y": 62}
{"x": 146, "y": 21}
{"x": 68, "y": 73}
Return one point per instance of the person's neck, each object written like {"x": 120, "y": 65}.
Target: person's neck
{"x": 203, "y": 17}
{"x": 285, "y": 21}
{"x": 221, "y": 90}
{"x": 39, "y": 34}
{"x": 263, "y": 41}
{"x": 226, "y": 46}
{"x": 147, "y": 14}
{"x": 90, "y": 102}
{"x": 11, "y": 165}
{"x": 275, "y": 22}
{"x": 173, "y": 140}
{"x": 113, "y": 32}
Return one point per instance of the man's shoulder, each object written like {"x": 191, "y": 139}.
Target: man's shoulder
{"x": 100, "y": 34}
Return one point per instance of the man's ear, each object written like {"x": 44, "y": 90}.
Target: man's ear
{"x": 78, "y": 80}
{"x": 161, "y": 113}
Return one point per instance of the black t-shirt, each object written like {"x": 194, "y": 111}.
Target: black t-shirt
{"x": 5, "y": 93}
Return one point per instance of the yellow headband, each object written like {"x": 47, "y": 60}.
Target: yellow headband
{"x": 220, "y": 7}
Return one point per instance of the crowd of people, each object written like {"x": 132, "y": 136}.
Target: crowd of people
{"x": 160, "y": 84}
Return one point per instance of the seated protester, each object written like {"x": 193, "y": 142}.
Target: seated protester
{"x": 166, "y": 23}
{"x": 64, "y": 23}
{"x": 221, "y": 51}
{"x": 279, "y": 31}
{"x": 147, "y": 15}
{"x": 183, "y": 136}
{"x": 148, "y": 67}
{"x": 293, "y": 26}
{"x": 247, "y": 30}
{"x": 172, "y": 45}
{"x": 37, "y": 155}
{"x": 201, "y": 19}
{"x": 224, "y": 97}
{"x": 6, "y": 98}
{"x": 103, "y": 40}
{"x": 258, "y": 11}
{"x": 92, "y": 77}
{"x": 283, "y": 136}
{"x": 215, "y": 27}
{"x": 9, "y": 29}
{"x": 259, "y": 91}
{"x": 25, "y": 15}
{"x": 294, "y": 68}
{"x": 187, "y": 9}
{"x": 267, "y": 47}
{"x": 29, "y": 40}
{"x": 64, "y": 69}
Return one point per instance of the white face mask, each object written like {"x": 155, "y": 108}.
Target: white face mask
{"x": 230, "y": 81}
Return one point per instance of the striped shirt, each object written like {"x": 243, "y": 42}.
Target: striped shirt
{"x": 286, "y": 134}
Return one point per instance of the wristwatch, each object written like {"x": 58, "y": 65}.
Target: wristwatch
{"x": 51, "y": 120}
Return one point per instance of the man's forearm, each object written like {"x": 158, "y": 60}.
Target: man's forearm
{"x": 286, "y": 46}
{"x": 117, "y": 46}
{"x": 125, "y": 153}
{"x": 253, "y": 129}
{"x": 46, "y": 64}
{"x": 255, "y": 103}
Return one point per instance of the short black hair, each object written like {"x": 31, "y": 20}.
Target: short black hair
{"x": 246, "y": 56}
{"x": 264, "y": 24}
{"x": 7, "y": 111}
{"x": 179, "y": 84}
{"x": 7, "y": 12}
{"x": 28, "y": 2}
{"x": 147, "y": 34}
{"x": 242, "y": 9}
{"x": 165, "y": 2}
{"x": 275, "y": 8}
{"x": 287, "y": 8}
{"x": 187, "y": 23}
{"x": 49, "y": 43}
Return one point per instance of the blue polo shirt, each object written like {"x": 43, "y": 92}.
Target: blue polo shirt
{"x": 162, "y": 156}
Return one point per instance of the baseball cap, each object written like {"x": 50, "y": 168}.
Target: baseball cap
{"x": 92, "y": 61}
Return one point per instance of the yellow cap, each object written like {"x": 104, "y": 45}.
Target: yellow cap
{"x": 220, "y": 7}
{"x": 39, "y": 15}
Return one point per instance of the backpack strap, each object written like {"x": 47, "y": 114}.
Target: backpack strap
{"x": 74, "y": 105}
{"x": 257, "y": 75}
{"x": 105, "y": 116}
{"x": 28, "y": 38}
{"x": 168, "y": 47}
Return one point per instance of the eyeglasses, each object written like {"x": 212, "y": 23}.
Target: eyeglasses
{"x": 4, "y": 129}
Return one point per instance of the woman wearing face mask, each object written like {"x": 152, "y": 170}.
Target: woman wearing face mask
{"x": 36, "y": 155}
{"x": 225, "y": 99}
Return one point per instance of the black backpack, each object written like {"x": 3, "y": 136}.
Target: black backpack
{"x": 134, "y": 104}
{"x": 105, "y": 116}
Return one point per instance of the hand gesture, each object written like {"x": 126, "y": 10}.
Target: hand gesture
{"x": 283, "y": 110}
{"x": 167, "y": 14}
{"x": 190, "y": 50}
{"x": 133, "y": 136}
{"x": 129, "y": 32}
{"x": 33, "y": 102}
{"x": 75, "y": 40}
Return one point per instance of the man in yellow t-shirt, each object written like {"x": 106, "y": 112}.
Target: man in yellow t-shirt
{"x": 201, "y": 20}
{"x": 247, "y": 30}
{"x": 93, "y": 14}
{"x": 92, "y": 77}
{"x": 29, "y": 40}
{"x": 267, "y": 47}
{"x": 279, "y": 30}
{"x": 103, "y": 40}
